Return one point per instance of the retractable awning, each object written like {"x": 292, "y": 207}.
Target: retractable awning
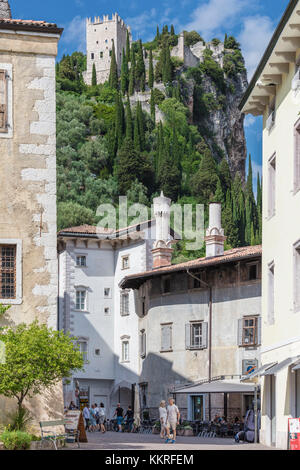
{"x": 278, "y": 367}
{"x": 259, "y": 371}
{"x": 220, "y": 386}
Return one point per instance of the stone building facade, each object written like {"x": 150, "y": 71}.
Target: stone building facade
{"x": 199, "y": 320}
{"x": 101, "y": 34}
{"x": 28, "y": 182}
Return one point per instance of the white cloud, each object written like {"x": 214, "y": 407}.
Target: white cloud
{"x": 74, "y": 33}
{"x": 249, "y": 120}
{"x": 212, "y": 17}
{"x": 254, "y": 37}
{"x": 141, "y": 23}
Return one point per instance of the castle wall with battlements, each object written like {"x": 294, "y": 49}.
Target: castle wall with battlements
{"x": 100, "y": 36}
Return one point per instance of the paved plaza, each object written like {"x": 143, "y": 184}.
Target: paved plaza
{"x": 126, "y": 441}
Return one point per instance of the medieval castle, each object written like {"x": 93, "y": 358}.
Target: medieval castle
{"x": 101, "y": 34}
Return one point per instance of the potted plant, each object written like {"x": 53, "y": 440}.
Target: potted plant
{"x": 179, "y": 430}
{"x": 188, "y": 430}
{"x": 156, "y": 427}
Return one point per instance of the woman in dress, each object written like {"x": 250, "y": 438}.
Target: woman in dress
{"x": 102, "y": 418}
{"x": 93, "y": 423}
{"x": 163, "y": 419}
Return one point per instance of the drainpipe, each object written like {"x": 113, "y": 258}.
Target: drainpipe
{"x": 209, "y": 335}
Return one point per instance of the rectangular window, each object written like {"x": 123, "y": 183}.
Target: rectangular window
{"x": 297, "y": 157}
{"x": 80, "y": 300}
{"x": 8, "y": 271}
{"x": 106, "y": 311}
{"x": 297, "y": 277}
{"x": 271, "y": 294}
{"x": 143, "y": 343}
{"x": 92, "y": 56}
{"x": 252, "y": 271}
{"x": 110, "y": 53}
{"x": 272, "y": 185}
{"x": 196, "y": 335}
{"x": 125, "y": 351}
{"x": 249, "y": 331}
{"x": 101, "y": 55}
{"x": 107, "y": 292}
{"x": 166, "y": 285}
{"x": 83, "y": 348}
{"x": 81, "y": 261}
{"x": 125, "y": 262}
{"x": 166, "y": 337}
{"x": 124, "y": 304}
{"x": 3, "y": 101}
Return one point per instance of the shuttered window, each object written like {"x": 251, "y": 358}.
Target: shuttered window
{"x": 8, "y": 271}
{"x": 3, "y": 101}
{"x": 166, "y": 337}
{"x": 249, "y": 331}
{"x": 272, "y": 185}
{"x": 297, "y": 157}
{"x": 143, "y": 344}
{"x": 196, "y": 335}
{"x": 297, "y": 277}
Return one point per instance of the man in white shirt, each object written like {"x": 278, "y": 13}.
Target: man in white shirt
{"x": 173, "y": 417}
{"x": 86, "y": 415}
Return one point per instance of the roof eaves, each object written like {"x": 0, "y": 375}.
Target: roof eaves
{"x": 289, "y": 10}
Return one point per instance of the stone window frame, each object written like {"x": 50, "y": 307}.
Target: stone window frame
{"x": 125, "y": 304}
{"x": 81, "y": 255}
{"x": 8, "y": 68}
{"x": 85, "y": 289}
{"x": 123, "y": 261}
{"x": 18, "y": 243}
{"x": 84, "y": 340}
{"x": 125, "y": 339}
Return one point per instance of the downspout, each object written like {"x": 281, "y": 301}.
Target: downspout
{"x": 209, "y": 334}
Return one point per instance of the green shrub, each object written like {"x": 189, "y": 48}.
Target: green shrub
{"x": 20, "y": 419}
{"x": 16, "y": 440}
{"x": 158, "y": 96}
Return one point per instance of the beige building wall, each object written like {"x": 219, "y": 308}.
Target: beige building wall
{"x": 28, "y": 188}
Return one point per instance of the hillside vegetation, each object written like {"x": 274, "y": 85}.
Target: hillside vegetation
{"x": 108, "y": 145}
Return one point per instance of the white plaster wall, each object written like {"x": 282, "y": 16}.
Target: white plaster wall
{"x": 282, "y": 339}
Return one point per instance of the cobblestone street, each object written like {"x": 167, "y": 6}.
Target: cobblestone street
{"x": 125, "y": 441}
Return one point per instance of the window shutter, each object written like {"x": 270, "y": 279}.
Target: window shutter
{"x": 188, "y": 336}
{"x": 204, "y": 335}
{"x": 240, "y": 331}
{"x": 259, "y": 331}
{"x": 143, "y": 344}
{"x": 3, "y": 100}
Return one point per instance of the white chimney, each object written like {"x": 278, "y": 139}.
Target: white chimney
{"x": 162, "y": 251}
{"x": 215, "y": 233}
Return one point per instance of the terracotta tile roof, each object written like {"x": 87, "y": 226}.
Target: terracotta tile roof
{"x": 235, "y": 254}
{"x": 94, "y": 230}
{"x": 29, "y": 25}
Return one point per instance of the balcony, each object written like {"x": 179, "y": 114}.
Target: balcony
{"x": 296, "y": 81}
{"x": 270, "y": 121}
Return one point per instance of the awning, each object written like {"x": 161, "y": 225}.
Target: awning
{"x": 259, "y": 371}
{"x": 278, "y": 367}
{"x": 218, "y": 386}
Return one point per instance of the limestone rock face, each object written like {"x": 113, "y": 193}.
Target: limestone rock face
{"x": 224, "y": 123}
{"x": 5, "y": 12}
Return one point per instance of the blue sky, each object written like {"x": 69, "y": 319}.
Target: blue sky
{"x": 251, "y": 21}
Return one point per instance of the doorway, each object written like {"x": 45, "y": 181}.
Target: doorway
{"x": 197, "y": 408}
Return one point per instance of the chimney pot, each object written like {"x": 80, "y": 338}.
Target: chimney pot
{"x": 215, "y": 234}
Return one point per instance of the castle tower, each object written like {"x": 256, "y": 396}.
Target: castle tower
{"x": 215, "y": 233}
{"x": 162, "y": 251}
{"x": 5, "y": 12}
{"x": 100, "y": 36}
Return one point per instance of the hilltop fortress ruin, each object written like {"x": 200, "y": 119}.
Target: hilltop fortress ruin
{"x": 101, "y": 34}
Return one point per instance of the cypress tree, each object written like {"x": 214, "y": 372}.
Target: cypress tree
{"x": 141, "y": 124}
{"x": 157, "y": 37}
{"x": 124, "y": 74}
{"x": 140, "y": 71}
{"x": 219, "y": 195}
{"x": 152, "y": 106}
{"x": 94, "y": 75}
{"x": 136, "y": 134}
{"x": 151, "y": 71}
{"x": 113, "y": 75}
{"x": 129, "y": 129}
{"x": 166, "y": 63}
{"x": 127, "y": 47}
{"x": 172, "y": 31}
{"x": 132, "y": 74}
{"x": 225, "y": 175}
{"x": 169, "y": 174}
{"x": 119, "y": 120}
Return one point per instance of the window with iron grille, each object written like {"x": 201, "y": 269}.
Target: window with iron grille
{"x": 8, "y": 271}
{"x": 124, "y": 301}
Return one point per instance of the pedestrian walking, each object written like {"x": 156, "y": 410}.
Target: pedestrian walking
{"x": 93, "y": 424}
{"x": 86, "y": 415}
{"x": 119, "y": 413}
{"x": 129, "y": 418}
{"x": 102, "y": 418}
{"x": 163, "y": 419}
{"x": 173, "y": 417}
{"x": 97, "y": 416}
